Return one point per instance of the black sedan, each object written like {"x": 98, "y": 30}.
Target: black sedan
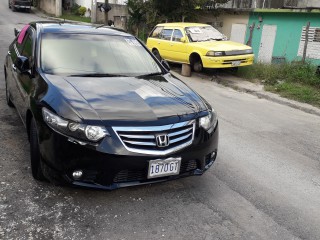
{"x": 101, "y": 111}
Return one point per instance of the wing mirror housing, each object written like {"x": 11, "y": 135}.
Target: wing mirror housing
{"x": 22, "y": 64}
{"x": 183, "y": 39}
{"x": 166, "y": 65}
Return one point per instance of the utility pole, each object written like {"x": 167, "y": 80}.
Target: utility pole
{"x": 306, "y": 43}
{"x": 106, "y": 2}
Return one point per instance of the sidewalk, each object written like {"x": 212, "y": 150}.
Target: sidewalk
{"x": 242, "y": 85}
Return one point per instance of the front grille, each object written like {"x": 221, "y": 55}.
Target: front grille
{"x": 141, "y": 175}
{"x": 237, "y": 52}
{"x": 143, "y": 139}
{"x": 235, "y": 60}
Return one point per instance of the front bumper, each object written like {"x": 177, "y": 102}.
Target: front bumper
{"x": 227, "y": 61}
{"x": 105, "y": 168}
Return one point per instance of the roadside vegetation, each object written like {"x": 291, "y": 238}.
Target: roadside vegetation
{"x": 294, "y": 80}
{"x": 76, "y": 13}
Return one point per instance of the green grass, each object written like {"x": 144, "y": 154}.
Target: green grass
{"x": 296, "y": 91}
{"x": 75, "y": 18}
{"x": 291, "y": 80}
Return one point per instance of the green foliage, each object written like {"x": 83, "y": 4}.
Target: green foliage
{"x": 294, "y": 80}
{"x": 74, "y": 9}
{"x": 296, "y": 91}
{"x": 146, "y": 14}
{"x": 82, "y": 10}
{"x": 295, "y": 72}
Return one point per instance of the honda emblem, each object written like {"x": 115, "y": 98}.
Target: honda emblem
{"x": 162, "y": 140}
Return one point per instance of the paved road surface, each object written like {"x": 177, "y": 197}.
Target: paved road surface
{"x": 264, "y": 185}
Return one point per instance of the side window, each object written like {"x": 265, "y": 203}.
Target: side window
{"x": 166, "y": 34}
{"x": 156, "y": 32}
{"x": 177, "y": 35}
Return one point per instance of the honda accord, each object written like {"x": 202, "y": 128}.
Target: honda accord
{"x": 102, "y": 111}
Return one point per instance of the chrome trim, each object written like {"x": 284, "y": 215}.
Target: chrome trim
{"x": 191, "y": 123}
{"x": 141, "y": 143}
{"x": 180, "y": 132}
{"x": 180, "y": 138}
{"x": 137, "y": 136}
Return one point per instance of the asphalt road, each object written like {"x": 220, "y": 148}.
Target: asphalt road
{"x": 265, "y": 183}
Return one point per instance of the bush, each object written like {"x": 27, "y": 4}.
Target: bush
{"x": 295, "y": 72}
{"x": 82, "y": 10}
{"x": 74, "y": 9}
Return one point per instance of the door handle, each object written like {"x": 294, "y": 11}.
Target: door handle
{"x": 14, "y": 68}
{"x": 158, "y": 42}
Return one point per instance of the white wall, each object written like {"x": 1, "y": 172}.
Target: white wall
{"x": 87, "y": 3}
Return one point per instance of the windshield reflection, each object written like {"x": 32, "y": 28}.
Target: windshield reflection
{"x": 202, "y": 34}
{"x": 95, "y": 55}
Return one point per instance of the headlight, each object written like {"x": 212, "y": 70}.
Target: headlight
{"x": 215, "y": 54}
{"x": 73, "y": 129}
{"x": 248, "y": 51}
{"x": 209, "y": 122}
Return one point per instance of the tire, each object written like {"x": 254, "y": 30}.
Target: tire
{"x": 197, "y": 66}
{"x": 35, "y": 153}
{"x": 9, "y": 102}
{"x": 157, "y": 54}
{"x": 196, "y": 63}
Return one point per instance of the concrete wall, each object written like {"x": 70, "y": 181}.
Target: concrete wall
{"x": 309, "y": 3}
{"x": 118, "y": 14}
{"x": 224, "y": 22}
{"x": 48, "y": 6}
{"x": 288, "y": 35}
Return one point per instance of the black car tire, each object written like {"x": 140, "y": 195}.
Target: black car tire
{"x": 9, "y": 102}
{"x": 197, "y": 66}
{"x": 157, "y": 54}
{"x": 35, "y": 153}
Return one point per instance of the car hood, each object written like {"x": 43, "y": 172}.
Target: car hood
{"x": 221, "y": 45}
{"x": 131, "y": 99}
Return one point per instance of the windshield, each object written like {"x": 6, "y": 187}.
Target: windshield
{"x": 201, "y": 34}
{"x": 76, "y": 54}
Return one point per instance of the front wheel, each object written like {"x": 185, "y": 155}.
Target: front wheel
{"x": 197, "y": 66}
{"x": 35, "y": 153}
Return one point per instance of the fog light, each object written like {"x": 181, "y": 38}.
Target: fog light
{"x": 77, "y": 174}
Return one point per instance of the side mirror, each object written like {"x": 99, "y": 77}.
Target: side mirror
{"x": 183, "y": 39}
{"x": 22, "y": 64}
{"x": 16, "y": 32}
{"x": 166, "y": 65}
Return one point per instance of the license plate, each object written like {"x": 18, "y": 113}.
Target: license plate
{"x": 236, "y": 63}
{"x": 162, "y": 168}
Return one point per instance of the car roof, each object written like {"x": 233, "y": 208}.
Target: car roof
{"x": 66, "y": 27}
{"x": 182, "y": 24}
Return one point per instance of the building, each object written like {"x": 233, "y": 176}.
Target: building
{"x": 275, "y": 34}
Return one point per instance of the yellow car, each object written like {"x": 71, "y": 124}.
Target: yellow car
{"x": 199, "y": 45}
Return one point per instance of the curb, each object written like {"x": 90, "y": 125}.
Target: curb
{"x": 277, "y": 99}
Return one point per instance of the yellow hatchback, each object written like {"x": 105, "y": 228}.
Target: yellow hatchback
{"x": 199, "y": 45}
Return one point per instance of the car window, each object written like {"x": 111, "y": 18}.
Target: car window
{"x": 70, "y": 54}
{"x": 166, "y": 34}
{"x": 177, "y": 35}
{"x": 156, "y": 32}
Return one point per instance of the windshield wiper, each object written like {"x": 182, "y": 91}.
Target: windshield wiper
{"x": 150, "y": 74}
{"x": 96, "y": 75}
